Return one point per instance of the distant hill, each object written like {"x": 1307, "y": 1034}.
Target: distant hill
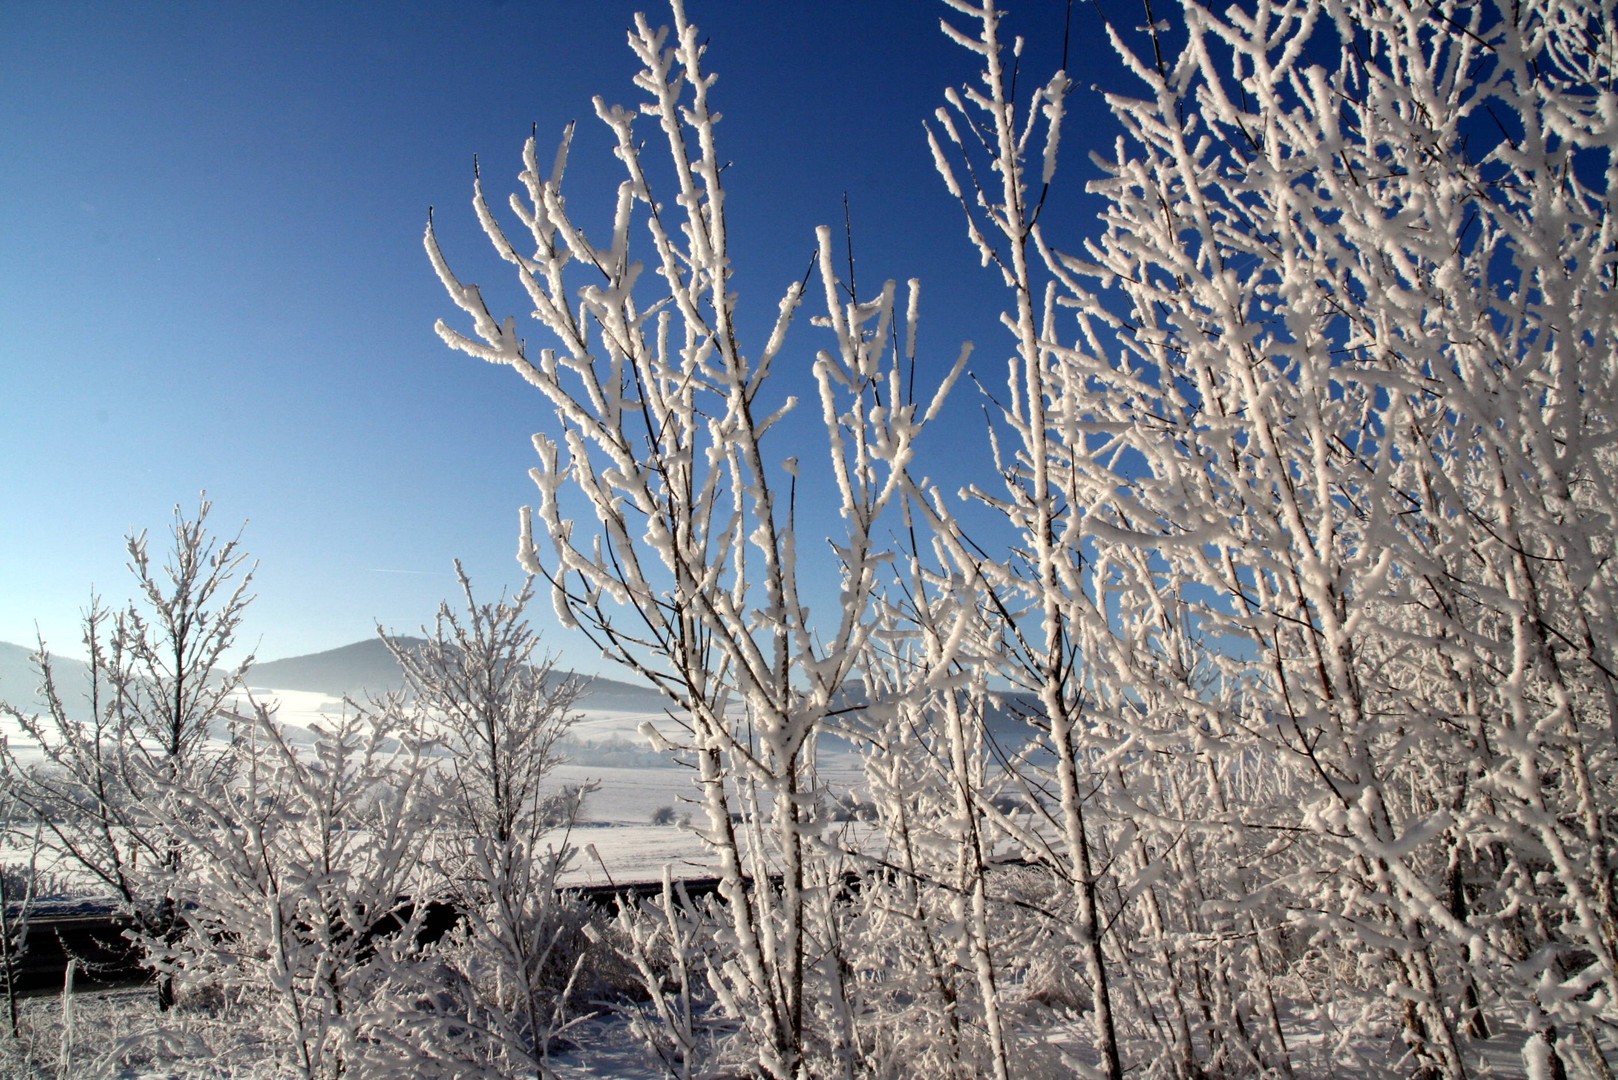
{"x": 355, "y": 670}
{"x": 1012, "y": 718}
{"x": 367, "y": 667}
{"x": 19, "y": 679}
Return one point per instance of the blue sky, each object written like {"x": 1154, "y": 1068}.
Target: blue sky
{"x": 211, "y": 273}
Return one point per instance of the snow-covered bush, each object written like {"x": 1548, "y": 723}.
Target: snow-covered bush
{"x": 691, "y": 578}
{"x": 288, "y": 884}
{"x": 1310, "y": 451}
{"x": 667, "y": 815}
{"x": 294, "y": 867}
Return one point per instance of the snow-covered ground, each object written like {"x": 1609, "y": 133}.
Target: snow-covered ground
{"x": 615, "y": 838}
{"x": 120, "y": 1034}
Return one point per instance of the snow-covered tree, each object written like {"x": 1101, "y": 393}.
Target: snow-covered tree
{"x": 1310, "y": 460}
{"x": 159, "y": 688}
{"x": 500, "y": 828}
{"x": 691, "y": 578}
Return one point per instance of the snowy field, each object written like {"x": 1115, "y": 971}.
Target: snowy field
{"x": 616, "y": 840}
{"x": 615, "y": 837}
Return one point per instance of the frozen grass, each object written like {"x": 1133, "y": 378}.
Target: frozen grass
{"x": 120, "y": 1034}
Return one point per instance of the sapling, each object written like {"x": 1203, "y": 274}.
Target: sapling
{"x": 18, "y": 886}
{"x": 501, "y": 833}
{"x": 160, "y": 687}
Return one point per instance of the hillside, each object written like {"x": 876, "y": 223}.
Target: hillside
{"x": 365, "y": 667}
{"x": 353, "y": 670}
{"x": 19, "y": 680}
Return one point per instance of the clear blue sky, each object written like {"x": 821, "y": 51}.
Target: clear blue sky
{"x": 211, "y": 274}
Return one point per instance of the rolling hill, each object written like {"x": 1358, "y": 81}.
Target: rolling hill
{"x": 367, "y": 667}
{"x": 357, "y": 670}
{"x": 19, "y": 681}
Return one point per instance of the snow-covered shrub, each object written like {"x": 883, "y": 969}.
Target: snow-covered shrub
{"x": 293, "y": 867}
{"x": 666, "y": 515}
{"x": 665, "y": 815}
{"x": 1310, "y": 453}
